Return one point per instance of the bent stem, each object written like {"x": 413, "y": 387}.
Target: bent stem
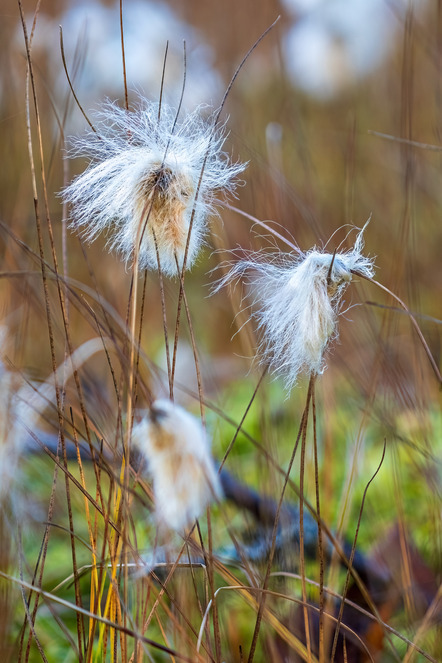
{"x": 350, "y": 561}
{"x": 413, "y": 322}
{"x": 264, "y": 225}
{"x": 198, "y": 187}
{"x": 301, "y": 527}
{"x": 301, "y": 431}
{"x": 320, "y": 538}
{"x": 164, "y": 314}
{"x": 118, "y": 541}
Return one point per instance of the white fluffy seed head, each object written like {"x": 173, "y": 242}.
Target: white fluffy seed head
{"x": 149, "y": 175}
{"x": 296, "y": 300}
{"x": 176, "y": 448}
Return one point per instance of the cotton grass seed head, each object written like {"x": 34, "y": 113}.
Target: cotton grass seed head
{"x": 296, "y": 300}
{"x": 149, "y": 175}
{"x": 184, "y": 477}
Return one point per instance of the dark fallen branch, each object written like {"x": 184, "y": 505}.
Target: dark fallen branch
{"x": 256, "y": 544}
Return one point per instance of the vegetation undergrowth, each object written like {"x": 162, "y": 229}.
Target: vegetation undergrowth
{"x": 240, "y": 462}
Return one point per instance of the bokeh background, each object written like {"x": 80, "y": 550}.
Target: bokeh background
{"x": 302, "y": 112}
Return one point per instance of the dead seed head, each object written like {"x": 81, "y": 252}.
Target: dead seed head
{"x": 176, "y": 448}
{"x": 153, "y": 180}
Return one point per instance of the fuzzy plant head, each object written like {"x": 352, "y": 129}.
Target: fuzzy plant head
{"x": 177, "y": 451}
{"x": 296, "y": 300}
{"x": 152, "y": 179}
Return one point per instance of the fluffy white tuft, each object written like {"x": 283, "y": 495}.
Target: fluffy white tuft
{"x": 184, "y": 477}
{"x": 142, "y": 181}
{"x": 296, "y": 302}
